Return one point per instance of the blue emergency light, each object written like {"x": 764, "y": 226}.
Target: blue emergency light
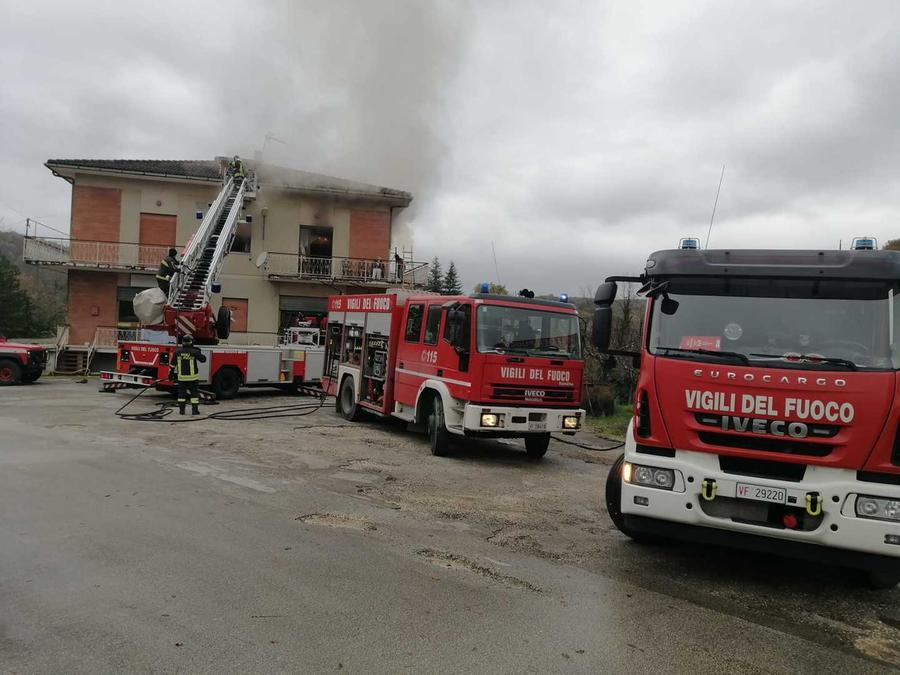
{"x": 689, "y": 244}
{"x": 485, "y": 287}
{"x": 563, "y": 297}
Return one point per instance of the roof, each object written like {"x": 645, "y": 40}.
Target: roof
{"x": 520, "y": 299}
{"x": 774, "y": 263}
{"x": 269, "y": 175}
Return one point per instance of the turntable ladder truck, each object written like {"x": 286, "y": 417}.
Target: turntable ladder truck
{"x": 188, "y": 311}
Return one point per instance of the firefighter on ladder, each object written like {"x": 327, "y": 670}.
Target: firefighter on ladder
{"x": 236, "y": 169}
{"x": 184, "y": 363}
{"x": 167, "y": 268}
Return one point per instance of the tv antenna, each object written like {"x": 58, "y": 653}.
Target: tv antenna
{"x": 715, "y": 204}
{"x": 269, "y": 138}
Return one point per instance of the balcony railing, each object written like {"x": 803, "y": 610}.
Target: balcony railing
{"x": 98, "y": 254}
{"x": 359, "y": 270}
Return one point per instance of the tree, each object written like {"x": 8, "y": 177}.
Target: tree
{"x": 19, "y": 317}
{"x": 493, "y": 289}
{"x": 435, "y": 281}
{"x": 892, "y": 245}
{"x": 451, "y": 284}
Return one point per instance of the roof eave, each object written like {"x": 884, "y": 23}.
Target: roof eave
{"x": 67, "y": 171}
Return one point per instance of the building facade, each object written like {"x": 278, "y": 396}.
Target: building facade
{"x": 306, "y": 236}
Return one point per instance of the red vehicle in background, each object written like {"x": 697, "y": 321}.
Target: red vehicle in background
{"x": 21, "y": 363}
{"x": 767, "y": 408}
{"x": 484, "y": 366}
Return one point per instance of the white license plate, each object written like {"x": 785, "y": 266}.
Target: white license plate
{"x": 760, "y": 493}
{"x": 537, "y": 426}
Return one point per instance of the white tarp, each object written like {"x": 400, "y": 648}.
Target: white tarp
{"x": 149, "y": 305}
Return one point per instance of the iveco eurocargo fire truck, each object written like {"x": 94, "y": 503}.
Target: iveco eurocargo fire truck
{"x": 478, "y": 366}
{"x": 767, "y": 408}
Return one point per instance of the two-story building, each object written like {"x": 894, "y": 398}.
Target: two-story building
{"x": 309, "y": 236}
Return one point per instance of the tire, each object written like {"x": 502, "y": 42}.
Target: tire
{"x": 614, "y": 504}
{"x": 223, "y": 323}
{"x": 10, "y": 373}
{"x": 226, "y": 383}
{"x": 347, "y": 401}
{"x": 436, "y": 427}
{"x": 536, "y": 445}
{"x": 29, "y": 378}
{"x": 882, "y": 581}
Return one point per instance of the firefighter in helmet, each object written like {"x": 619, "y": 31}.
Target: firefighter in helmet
{"x": 236, "y": 168}
{"x": 167, "y": 268}
{"x": 184, "y": 363}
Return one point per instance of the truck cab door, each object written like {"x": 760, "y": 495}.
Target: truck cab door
{"x": 455, "y": 348}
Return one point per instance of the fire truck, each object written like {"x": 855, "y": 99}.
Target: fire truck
{"x": 20, "y": 363}
{"x": 187, "y": 310}
{"x": 480, "y": 366}
{"x": 767, "y": 406}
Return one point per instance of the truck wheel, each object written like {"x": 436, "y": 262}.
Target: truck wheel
{"x": 10, "y": 373}
{"x": 614, "y": 504}
{"x": 882, "y": 581}
{"x": 536, "y": 445}
{"x": 28, "y": 378}
{"x": 223, "y": 323}
{"x": 436, "y": 428}
{"x": 347, "y": 401}
{"x": 226, "y": 383}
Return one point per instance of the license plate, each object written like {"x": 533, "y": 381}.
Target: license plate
{"x": 537, "y": 426}
{"x": 759, "y": 493}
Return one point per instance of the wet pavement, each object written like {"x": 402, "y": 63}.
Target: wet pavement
{"x": 308, "y": 543}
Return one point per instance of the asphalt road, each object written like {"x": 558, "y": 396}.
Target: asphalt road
{"x": 304, "y": 544}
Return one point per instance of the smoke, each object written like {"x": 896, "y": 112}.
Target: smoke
{"x": 355, "y": 89}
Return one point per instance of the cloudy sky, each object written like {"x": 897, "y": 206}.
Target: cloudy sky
{"x": 575, "y": 136}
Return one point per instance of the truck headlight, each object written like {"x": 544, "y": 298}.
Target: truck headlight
{"x": 878, "y": 508}
{"x": 648, "y": 476}
{"x": 490, "y": 420}
{"x": 570, "y": 422}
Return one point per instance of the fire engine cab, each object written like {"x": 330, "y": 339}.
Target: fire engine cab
{"x": 767, "y": 408}
{"x": 485, "y": 366}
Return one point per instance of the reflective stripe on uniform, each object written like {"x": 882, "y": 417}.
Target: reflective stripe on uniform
{"x": 186, "y": 367}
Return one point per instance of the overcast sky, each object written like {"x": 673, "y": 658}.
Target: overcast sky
{"x": 576, "y": 136}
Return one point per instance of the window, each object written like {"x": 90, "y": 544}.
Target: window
{"x": 125, "y": 299}
{"x": 459, "y": 333}
{"x": 241, "y": 241}
{"x": 528, "y": 330}
{"x": 433, "y": 324}
{"x": 414, "y": 323}
{"x": 316, "y": 242}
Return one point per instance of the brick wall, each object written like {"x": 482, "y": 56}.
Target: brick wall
{"x": 92, "y": 303}
{"x": 370, "y": 234}
{"x": 96, "y": 213}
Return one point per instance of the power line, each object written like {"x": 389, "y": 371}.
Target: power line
{"x": 715, "y": 204}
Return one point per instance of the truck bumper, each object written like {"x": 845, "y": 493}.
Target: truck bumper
{"x": 684, "y": 510}
{"x": 515, "y": 422}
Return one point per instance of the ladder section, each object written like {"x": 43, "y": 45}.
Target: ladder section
{"x": 202, "y": 262}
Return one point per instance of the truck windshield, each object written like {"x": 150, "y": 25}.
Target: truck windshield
{"x": 529, "y": 331}
{"x": 801, "y": 323}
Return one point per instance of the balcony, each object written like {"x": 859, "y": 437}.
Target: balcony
{"x": 92, "y": 254}
{"x": 355, "y": 271}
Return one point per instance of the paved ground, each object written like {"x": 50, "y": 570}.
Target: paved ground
{"x": 308, "y": 544}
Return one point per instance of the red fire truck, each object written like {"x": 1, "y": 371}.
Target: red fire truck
{"x": 21, "y": 363}
{"x": 485, "y": 366}
{"x": 767, "y": 411}
{"x": 296, "y": 362}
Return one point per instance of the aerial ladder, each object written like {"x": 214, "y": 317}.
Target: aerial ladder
{"x": 187, "y": 309}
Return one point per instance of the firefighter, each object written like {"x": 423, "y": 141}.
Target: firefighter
{"x": 167, "y": 268}
{"x": 184, "y": 363}
{"x": 236, "y": 168}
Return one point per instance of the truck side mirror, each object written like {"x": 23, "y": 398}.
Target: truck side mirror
{"x": 603, "y": 315}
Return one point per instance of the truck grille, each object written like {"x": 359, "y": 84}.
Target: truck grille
{"x": 782, "y": 445}
{"x": 38, "y": 357}
{"x": 506, "y": 392}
